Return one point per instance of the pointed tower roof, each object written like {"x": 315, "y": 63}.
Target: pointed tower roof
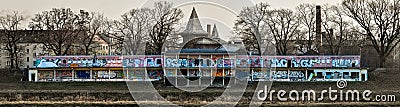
{"x": 214, "y": 33}
{"x": 194, "y": 25}
{"x": 194, "y": 14}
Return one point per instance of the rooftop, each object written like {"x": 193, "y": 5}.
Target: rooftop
{"x": 194, "y": 25}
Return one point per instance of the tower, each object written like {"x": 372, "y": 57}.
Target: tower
{"x": 193, "y": 28}
{"x": 318, "y": 37}
{"x": 214, "y": 33}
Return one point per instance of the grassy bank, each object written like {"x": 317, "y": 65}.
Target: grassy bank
{"x": 380, "y": 82}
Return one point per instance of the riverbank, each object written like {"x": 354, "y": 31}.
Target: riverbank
{"x": 133, "y": 103}
{"x": 117, "y": 94}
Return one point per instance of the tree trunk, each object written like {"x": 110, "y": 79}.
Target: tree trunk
{"x": 382, "y": 60}
{"x": 12, "y": 61}
{"x": 86, "y": 50}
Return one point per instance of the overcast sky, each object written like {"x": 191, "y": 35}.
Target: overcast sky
{"x": 219, "y": 12}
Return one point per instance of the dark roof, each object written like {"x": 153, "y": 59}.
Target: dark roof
{"x": 27, "y": 36}
{"x": 30, "y": 36}
{"x": 194, "y": 14}
{"x": 105, "y": 38}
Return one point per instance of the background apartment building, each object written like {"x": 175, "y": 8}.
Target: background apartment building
{"x": 29, "y": 49}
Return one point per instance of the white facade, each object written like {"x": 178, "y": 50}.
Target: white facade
{"x": 26, "y": 58}
{"x": 30, "y": 51}
{"x": 104, "y": 46}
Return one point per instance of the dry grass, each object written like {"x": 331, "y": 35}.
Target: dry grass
{"x": 380, "y": 82}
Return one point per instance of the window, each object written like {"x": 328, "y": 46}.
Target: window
{"x": 319, "y": 75}
{"x": 158, "y": 61}
{"x": 27, "y": 50}
{"x": 8, "y": 63}
{"x": 27, "y": 59}
{"x": 196, "y": 62}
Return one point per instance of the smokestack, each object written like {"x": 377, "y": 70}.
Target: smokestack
{"x": 209, "y": 29}
{"x": 318, "y": 26}
{"x": 318, "y": 20}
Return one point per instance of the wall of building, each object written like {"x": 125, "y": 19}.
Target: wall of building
{"x": 27, "y": 58}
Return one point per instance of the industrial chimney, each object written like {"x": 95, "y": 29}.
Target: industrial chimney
{"x": 318, "y": 21}
{"x": 318, "y": 36}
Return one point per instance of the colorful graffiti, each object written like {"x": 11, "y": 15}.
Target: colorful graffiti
{"x": 136, "y": 74}
{"x": 297, "y": 76}
{"x": 275, "y": 62}
{"x": 78, "y": 61}
{"x": 311, "y": 61}
{"x": 170, "y": 72}
{"x": 261, "y": 75}
{"x": 154, "y": 74}
{"x": 83, "y": 74}
{"x": 45, "y": 75}
{"x": 173, "y": 62}
{"x": 280, "y": 75}
{"x": 289, "y": 76}
{"x": 206, "y": 72}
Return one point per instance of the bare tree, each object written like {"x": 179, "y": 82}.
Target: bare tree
{"x": 284, "y": 26}
{"x": 134, "y": 26}
{"x": 338, "y": 30}
{"x": 251, "y": 26}
{"x": 58, "y": 29}
{"x": 380, "y": 21}
{"x": 172, "y": 42}
{"x": 93, "y": 24}
{"x": 306, "y": 16}
{"x": 166, "y": 18}
{"x": 333, "y": 21}
{"x": 116, "y": 39}
{"x": 11, "y": 36}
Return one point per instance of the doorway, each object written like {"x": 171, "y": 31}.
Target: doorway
{"x": 33, "y": 77}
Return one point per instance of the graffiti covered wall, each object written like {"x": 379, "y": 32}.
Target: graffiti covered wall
{"x": 172, "y": 62}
